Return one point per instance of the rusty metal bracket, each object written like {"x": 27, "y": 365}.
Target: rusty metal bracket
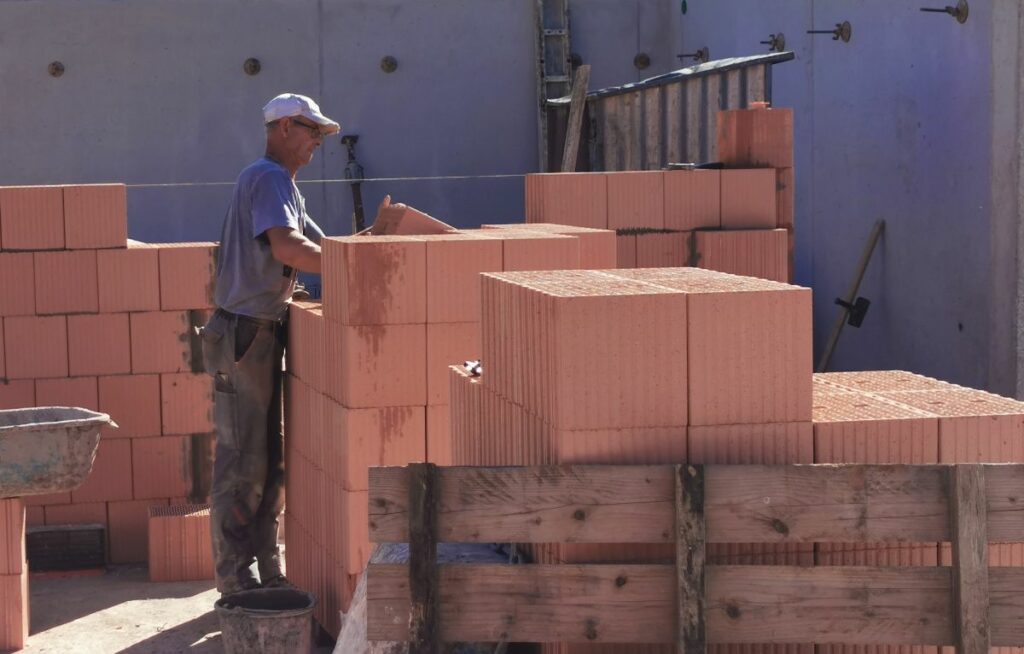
{"x": 843, "y": 32}
{"x": 959, "y": 12}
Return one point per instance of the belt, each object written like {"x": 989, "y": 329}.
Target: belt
{"x": 250, "y": 319}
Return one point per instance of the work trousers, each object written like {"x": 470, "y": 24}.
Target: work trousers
{"x": 245, "y": 355}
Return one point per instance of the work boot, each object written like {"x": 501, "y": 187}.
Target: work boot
{"x": 238, "y": 584}
{"x": 278, "y": 581}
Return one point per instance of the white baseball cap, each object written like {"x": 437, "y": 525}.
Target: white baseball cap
{"x": 293, "y": 104}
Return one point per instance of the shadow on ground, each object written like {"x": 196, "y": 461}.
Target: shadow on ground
{"x": 198, "y": 636}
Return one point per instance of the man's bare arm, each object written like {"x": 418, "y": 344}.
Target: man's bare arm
{"x": 293, "y": 249}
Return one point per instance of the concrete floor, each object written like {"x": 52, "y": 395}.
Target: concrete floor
{"x": 121, "y": 611}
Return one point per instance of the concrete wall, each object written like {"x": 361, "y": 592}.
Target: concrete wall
{"x": 154, "y": 93}
{"x": 898, "y": 125}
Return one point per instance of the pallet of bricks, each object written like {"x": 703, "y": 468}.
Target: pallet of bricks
{"x": 367, "y": 380}
{"x": 90, "y": 319}
{"x": 721, "y": 375}
{"x": 739, "y": 219}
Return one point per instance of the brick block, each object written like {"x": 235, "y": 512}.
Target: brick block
{"x": 66, "y": 282}
{"x": 662, "y": 249}
{"x": 384, "y": 365}
{"x": 95, "y": 216}
{"x": 187, "y": 275}
{"x": 448, "y": 344}
{"x": 35, "y": 515}
{"x": 99, "y": 344}
{"x": 47, "y": 499}
{"x": 534, "y": 251}
{"x": 755, "y": 137}
{"x": 306, "y": 353}
{"x": 579, "y": 199}
{"x": 454, "y": 264}
{"x": 133, "y": 402}
{"x": 36, "y": 346}
{"x": 165, "y": 341}
{"x": 360, "y": 438}
{"x": 375, "y": 280}
{"x": 693, "y": 199}
{"x": 129, "y": 279}
{"x": 356, "y": 506}
{"x": 597, "y": 246}
{"x": 626, "y": 251}
{"x": 68, "y": 391}
{"x": 12, "y": 536}
{"x": 642, "y": 445}
{"x": 179, "y": 543}
{"x": 17, "y": 394}
{"x": 882, "y": 381}
{"x": 18, "y": 294}
{"x": 31, "y": 218}
{"x": 403, "y": 220}
{"x": 785, "y": 198}
{"x": 77, "y": 514}
{"x": 439, "y": 435}
{"x": 636, "y": 200}
{"x": 762, "y": 253}
{"x": 111, "y": 476}
{"x": 465, "y": 416}
{"x": 748, "y": 198}
{"x": 186, "y": 403}
{"x": 128, "y": 530}
{"x": 14, "y": 611}
{"x": 161, "y": 467}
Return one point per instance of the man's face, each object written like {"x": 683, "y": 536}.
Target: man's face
{"x": 304, "y": 137}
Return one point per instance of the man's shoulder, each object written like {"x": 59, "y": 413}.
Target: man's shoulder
{"x": 263, "y": 170}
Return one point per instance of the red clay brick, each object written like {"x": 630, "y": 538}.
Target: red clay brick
{"x": 161, "y": 467}
{"x": 597, "y": 246}
{"x": 693, "y": 199}
{"x": 626, "y": 250}
{"x": 533, "y": 251}
{"x": 454, "y": 264}
{"x": 762, "y": 253}
{"x": 375, "y": 280}
{"x": 111, "y": 476}
{"x": 99, "y": 344}
{"x": 882, "y": 381}
{"x": 129, "y": 279}
{"x": 385, "y": 365}
{"x": 12, "y": 536}
{"x": 187, "y": 274}
{"x": 95, "y": 216}
{"x": 465, "y": 416}
{"x": 68, "y": 391}
{"x": 133, "y": 402}
{"x": 403, "y": 220}
{"x": 186, "y": 403}
{"x": 66, "y": 282}
{"x": 179, "y": 543}
{"x": 748, "y": 198}
{"x": 163, "y": 341}
{"x": 306, "y": 347}
{"x": 128, "y": 530}
{"x": 641, "y": 445}
{"x": 35, "y": 516}
{"x": 636, "y": 199}
{"x": 77, "y": 514}
{"x": 448, "y": 344}
{"x": 439, "y": 435}
{"x": 579, "y": 199}
{"x": 36, "y": 346}
{"x": 14, "y": 611}
{"x": 31, "y": 218}
{"x": 17, "y": 394}
{"x": 17, "y": 294}
{"x": 757, "y": 137}
{"x": 662, "y": 250}
{"x": 785, "y": 200}
{"x": 359, "y": 438}
{"x": 47, "y": 499}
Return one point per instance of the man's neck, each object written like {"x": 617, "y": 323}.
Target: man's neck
{"x": 291, "y": 171}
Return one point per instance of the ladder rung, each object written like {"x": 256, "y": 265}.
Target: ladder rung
{"x": 556, "y": 79}
{"x": 558, "y": 32}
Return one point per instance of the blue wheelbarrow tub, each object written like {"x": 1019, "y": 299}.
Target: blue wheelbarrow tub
{"x": 47, "y": 449}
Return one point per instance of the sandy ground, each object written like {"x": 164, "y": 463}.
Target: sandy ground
{"x": 121, "y": 611}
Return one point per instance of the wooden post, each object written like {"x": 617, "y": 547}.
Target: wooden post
{"x": 423, "y": 574}
{"x": 969, "y": 531}
{"x": 690, "y": 541}
{"x": 577, "y": 102}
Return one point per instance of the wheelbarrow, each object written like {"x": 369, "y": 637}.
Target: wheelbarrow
{"x": 47, "y": 449}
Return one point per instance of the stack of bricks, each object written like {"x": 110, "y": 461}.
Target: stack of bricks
{"x": 737, "y": 220}
{"x": 93, "y": 320}
{"x": 13, "y": 576}
{"x": 722, "y": 374}
{"x": 368, "y": 379}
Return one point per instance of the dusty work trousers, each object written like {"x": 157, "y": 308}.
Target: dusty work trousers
{"x": 245, "y": 356}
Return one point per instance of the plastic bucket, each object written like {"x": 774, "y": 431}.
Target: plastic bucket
{"x": 266, "y": 621}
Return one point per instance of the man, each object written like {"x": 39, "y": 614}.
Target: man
{"x": 266, "y": 238}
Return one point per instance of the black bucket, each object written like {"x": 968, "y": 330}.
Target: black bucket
{"x": 266, "y": 621}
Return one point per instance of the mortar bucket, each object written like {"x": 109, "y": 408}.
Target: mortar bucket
{"x": 266, "y": 621}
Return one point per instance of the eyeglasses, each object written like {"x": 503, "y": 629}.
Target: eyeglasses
{"x": 314, "y": 130}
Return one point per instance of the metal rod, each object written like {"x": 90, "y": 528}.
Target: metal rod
{"x": 851, "y": 295}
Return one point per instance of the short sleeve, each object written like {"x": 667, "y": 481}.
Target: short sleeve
{"x": 313, "y": 231}
{"x": 273, "y": 203}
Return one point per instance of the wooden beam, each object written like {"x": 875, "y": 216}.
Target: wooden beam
{"x": 574, "y": 126}
{"x": 970, "y": 559}
{"x": 422, "y": 569}
{"x": 690, "y": 590}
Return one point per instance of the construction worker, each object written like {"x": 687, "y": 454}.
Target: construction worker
{"x": 267, "y": 236}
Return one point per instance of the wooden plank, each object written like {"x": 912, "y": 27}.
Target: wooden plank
{"x": 653, "y": 128}
{"x": 970, "y": 558}
{"x": 1006, "y": 606}
{"x": 674, "y": 123}
{"x": 422, "y": 569}
{"x": 755, "y": 84}
{"x": 1004, "y": 490}
{"x": 636, "y": 604}
{"x": 694, "y": 120}
{"x": 574, "y": 126}
{"x": 691, "y": 635}
{"x": 630, "y": 124}
{"x": 709, "y": 122}
{"x": 612, "y": 117}
{"x": 732, "y": 89}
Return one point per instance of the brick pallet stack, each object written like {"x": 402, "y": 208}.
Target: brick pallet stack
{"x": 368, "y": 384}
{"x": 738, "y": 220}
{"x": 14, "y": 605}
{"x": 92, "y": 320}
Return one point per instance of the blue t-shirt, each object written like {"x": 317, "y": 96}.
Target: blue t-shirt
{"x": 250, "y": 281}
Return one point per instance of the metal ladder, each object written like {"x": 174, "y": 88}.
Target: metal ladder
{"x": 554, "y": 65}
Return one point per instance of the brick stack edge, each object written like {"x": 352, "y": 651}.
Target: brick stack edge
{"x": 93, "y": 320}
